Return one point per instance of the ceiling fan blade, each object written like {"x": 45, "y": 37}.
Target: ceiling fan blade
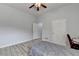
{"x": 37, "y": 8}
{"x": 43, "y": 6}
{"x": 31, "y": 6}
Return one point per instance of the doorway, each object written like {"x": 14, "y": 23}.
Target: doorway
{"x": 59, "y": 31}
{"x": 37, "y": 30}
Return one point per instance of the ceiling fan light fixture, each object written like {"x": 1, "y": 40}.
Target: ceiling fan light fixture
{"x": 38, "y": 5}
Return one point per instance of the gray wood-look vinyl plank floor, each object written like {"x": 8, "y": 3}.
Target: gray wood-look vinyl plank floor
{"x": 17, "y": 50}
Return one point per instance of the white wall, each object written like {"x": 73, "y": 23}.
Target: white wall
{"x": 70, "y": 13}
{"x": 15, "y": 26}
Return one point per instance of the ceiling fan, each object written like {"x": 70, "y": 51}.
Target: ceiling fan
{"x": 38, "y": 5}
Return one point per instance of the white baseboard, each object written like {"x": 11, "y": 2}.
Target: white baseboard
{"x": 7, "y": 45}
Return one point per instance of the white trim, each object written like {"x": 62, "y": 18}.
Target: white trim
{"x": 7, "y": 45}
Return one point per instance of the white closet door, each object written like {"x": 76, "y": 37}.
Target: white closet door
{"x": 37, "y": 30}
{"x": 59, "y": 32}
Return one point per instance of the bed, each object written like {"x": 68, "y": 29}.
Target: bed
{"x": 44, "y": 48}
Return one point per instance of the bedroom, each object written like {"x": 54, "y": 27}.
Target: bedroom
{"x": 22, "y": 29}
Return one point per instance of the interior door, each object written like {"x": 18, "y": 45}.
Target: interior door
{"x": 37, "y": 30}
{"x": 59, "y": 31}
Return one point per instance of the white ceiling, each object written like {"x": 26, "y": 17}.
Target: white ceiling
{"x": 24, "y": 7}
